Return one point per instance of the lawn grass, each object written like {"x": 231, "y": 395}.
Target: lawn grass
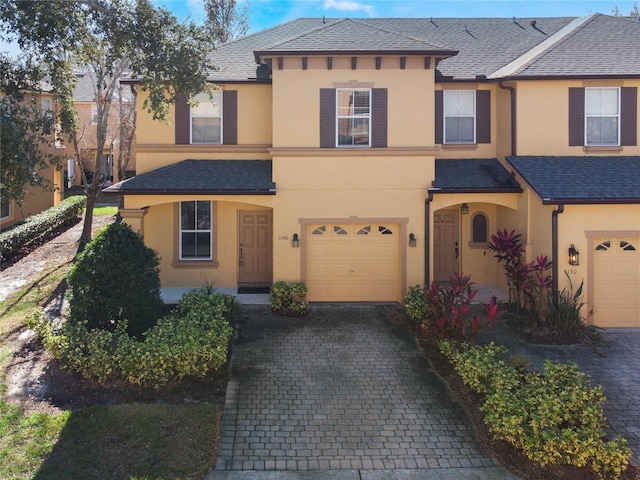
{"x": 124, "y": 441}
{"x": 98, "y": 211}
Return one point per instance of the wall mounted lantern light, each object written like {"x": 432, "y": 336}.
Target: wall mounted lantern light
{"x": 464, "y": 209}
{"x": 412, "y": 240}
{"x": 295, "y": 241}
{"x": 574, "y": 255}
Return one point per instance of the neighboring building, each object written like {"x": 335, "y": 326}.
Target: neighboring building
{"x": 86, "y": 104}
{"x": 365, "y": 156}
{"x": 37, "y": 199}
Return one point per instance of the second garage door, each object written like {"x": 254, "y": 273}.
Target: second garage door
{"x": 616, "y": 282}
{"x": 353, "y": 262}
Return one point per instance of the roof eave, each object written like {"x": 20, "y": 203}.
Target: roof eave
{"x": 474, "y": 190}
{"x": 630, "y": 76}
{"x": 160, "y": 191}
{"x": 262, "y": 54}
{"x": 590, "y": 201}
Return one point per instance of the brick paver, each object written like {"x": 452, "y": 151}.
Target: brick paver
{"x": 342, "y": 388}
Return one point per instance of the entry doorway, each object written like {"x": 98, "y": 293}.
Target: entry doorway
{"x": 255, "y": 249}
{"x": 446, "y": 244}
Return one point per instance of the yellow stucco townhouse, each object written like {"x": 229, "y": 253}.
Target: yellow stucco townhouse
{"x": 365, "y": 156}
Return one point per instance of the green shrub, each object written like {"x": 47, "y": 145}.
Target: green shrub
{"x": 554, "y": 416}
{"x": 417, "y": 308}
{"x": 289, "y": 299}
{"x": 116, "y": 277}
{"x": 191, "y": 341}
{"x": 12, "y": 240}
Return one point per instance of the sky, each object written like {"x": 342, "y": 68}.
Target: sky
{"x": 268, "y": 13}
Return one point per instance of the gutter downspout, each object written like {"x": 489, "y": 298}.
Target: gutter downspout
{"x": 512, "y": 90}
{"x": 554, "y": 250}
{"x": 427, "y": 238}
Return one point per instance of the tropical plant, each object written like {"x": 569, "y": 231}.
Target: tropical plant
{"x": 443, "y": 310}
{"x": 563, "y": 314}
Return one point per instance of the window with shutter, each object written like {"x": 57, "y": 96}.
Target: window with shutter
{"x": 603, "y": 116}
{"x": 462, "y": 116}
{"x": 353, "y": 117}
{"x": 213, "y": 121}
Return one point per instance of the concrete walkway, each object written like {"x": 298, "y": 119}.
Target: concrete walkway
{"x": 342, "y": 393}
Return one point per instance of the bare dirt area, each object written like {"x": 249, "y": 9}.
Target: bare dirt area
{"x": 33, "y": 379}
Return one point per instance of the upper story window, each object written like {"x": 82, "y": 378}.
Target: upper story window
{"x": 602, "y": 116}
{"x": 206, "y": 118}
{"x": 195, "y": 230}
{"x": 462, "y": 117}
{"x": 47, "y": 115}
{"x": 213, "y": 122}
{"x": 459, "y": 116}
{"x": 353, "y": 117}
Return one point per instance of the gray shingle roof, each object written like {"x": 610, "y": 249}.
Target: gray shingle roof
{"x": 473, "y": 175}
{"x": 349, "y": 35}
{"x": 602, "y": 45}
{"x": 242, "y": 177}
{"x": 484, "y": 44}
{"x": 581, "y": 179}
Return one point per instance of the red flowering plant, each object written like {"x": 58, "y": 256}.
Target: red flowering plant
{"x": 442, "y": 311}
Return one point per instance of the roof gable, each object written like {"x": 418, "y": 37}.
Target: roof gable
{"x": 597, "y": 45}
{"x": 349, "y": 36}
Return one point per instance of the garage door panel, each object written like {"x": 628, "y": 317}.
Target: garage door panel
{"x": 616, "y": 271}
{"x": 353, "y": 262}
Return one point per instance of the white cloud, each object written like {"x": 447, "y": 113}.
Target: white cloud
{"x": 348, "y": 6}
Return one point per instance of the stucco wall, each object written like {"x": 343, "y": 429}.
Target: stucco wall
{"x": 543, "y": 118}
{"x": 296, "y": 98}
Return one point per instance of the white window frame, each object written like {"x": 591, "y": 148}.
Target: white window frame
{"x": 196, "y": 230}
{"x": 205, "y": 98}
{"x": 446, "y": 115}
{"x": 352, "y": 117}
{"x": 601, "y": 115}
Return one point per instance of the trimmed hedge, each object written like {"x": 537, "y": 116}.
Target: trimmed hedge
{"x": 191, "y": 341}
{"x": 35, "y": 226}
{"x": 116, "y": 277}
{"x": 554, "y": 416}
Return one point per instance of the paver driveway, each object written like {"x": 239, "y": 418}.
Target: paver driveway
{"x": 344, "y": 387}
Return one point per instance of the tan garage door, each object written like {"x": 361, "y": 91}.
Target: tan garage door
{"x": 357, "y": 263}
{"x": 616, "y": 272}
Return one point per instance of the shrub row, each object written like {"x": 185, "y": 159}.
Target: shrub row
{"x": 554, "y": 416}
{"x": 14, "y": 239}
{"x": 191, "y": 341}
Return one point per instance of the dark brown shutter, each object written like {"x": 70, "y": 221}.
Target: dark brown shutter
{"x": 629, "y": 116}
{"x": 483, "y": 116}
{"x": 439, "y": 121}
{"x": 576, "y": 117}
{"x": 230, "y": 117}
{"x": 182, "y": 121}
{"x": 379, "y": 118}
{"x": 327, "y": 118}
